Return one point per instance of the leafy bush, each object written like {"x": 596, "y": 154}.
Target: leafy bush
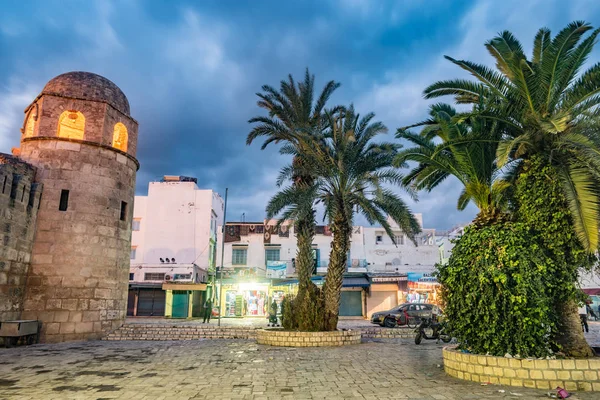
{"x": 494, "y": 291}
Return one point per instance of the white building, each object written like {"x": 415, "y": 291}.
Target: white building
{"x": 258, "y": 259}
{"x": 174, "y": 243}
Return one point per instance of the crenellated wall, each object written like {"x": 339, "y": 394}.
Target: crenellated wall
{"x": 19, "y": 201}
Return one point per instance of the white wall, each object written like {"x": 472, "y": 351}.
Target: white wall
{"x": 404, "y": 258}
{"x": 175, "y": 222}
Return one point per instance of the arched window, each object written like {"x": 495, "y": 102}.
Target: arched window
{"x": 30, "y": 124}
{"x": 120, "y": 137}
{"x": 71, "y": 124}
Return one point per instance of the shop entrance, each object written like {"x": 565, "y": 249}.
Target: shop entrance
{"x": 351, "y": 304}
{"x": 180, "y": 304}
{"x": 246, "y": 303}
{"x": 151, "y": 302}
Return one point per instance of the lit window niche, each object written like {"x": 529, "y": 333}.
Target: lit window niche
{"x": 71, "y": 124}
{"x": 120, "y": 137}
{"x": 30, "y": 124}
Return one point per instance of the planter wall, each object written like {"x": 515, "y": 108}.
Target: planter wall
{"x": 279, "y": 337}
{"x": 540, "y": 374}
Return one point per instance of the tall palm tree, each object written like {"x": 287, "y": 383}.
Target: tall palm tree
{"x": 292, "y": 110}
{"x": 549, "y": 111}
{"x": 451, "y": 144}
{"x": 350, "y": 172}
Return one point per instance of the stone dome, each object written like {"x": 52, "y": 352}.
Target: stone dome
{"x": 87, "y": 86}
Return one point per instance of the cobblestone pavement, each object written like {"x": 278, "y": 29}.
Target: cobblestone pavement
{"x": 238, "y": 369}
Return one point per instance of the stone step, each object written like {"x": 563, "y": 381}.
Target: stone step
{"x": 190, "y": 332}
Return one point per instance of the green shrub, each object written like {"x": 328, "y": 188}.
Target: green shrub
{"x": 288, "y": 315}
{"x": 494, "y": 293}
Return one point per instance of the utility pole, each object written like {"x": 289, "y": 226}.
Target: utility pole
{"x": 222, "y": 257}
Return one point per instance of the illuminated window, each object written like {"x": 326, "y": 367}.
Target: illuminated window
{"x": 71, "y": 124}
{"x": 133, "y": 253}
{"x": 135, "y": 224}
{"x": 120, "y": 137}
{"x": 30, "y": 124}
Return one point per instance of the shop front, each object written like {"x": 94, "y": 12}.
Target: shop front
{"x": 245, "y": 299}
{"x": 384, "y": 292}
{"x": 184, "y": 300}
{"x": 422, "y": 288}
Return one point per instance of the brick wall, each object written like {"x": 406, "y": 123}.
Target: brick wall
{"x": 19, "y": 199}
{"x": 540, "y": 374}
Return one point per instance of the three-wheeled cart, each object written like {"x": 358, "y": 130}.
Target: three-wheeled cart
{"x": 12, "y": 331}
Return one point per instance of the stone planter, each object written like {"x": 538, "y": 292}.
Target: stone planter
{"x": 279, "y": 337}
{"x": 571, "y": 374}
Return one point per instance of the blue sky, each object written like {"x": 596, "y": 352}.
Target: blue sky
{"x": 191, "y": 70}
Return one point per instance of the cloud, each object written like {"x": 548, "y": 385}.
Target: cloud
{"x": 191, "y": 70}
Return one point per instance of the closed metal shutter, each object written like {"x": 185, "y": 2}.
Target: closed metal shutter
{"x": 351, "y": 304}
{"x": 151, "y": 303}
{"x": 381, "y": 301}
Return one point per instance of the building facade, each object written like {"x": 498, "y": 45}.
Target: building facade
{"x": 173, "y": 248}
{"x": 80, "y": 140}
{"x": 259, "y": 267}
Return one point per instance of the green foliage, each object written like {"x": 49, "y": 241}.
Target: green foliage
{"x": 494, "y": 291}
{"x": 542, "y": 205}
{"x": 547, "y": 107}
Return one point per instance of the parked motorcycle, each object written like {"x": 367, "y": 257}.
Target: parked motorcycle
{"x": 439, "y": 331}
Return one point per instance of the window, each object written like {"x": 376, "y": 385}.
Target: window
{"x": 135, "y": 225}
{"x": 30, "y": 124}
{"x": 120, "y": 137}
{"x": 71, "y": 124}
{"x": 132, "y": 254}
{"x": 379, "y": 238}
{"x": 4, "y": 184}
{"x": 271, "y": 255}
{"x": 239, "y": 256}
{"x": 154, "y": 276}
{"x": 64, "y": 200}
{"x": 399, "y": 238}
{"x": 123, "y": 211}
{"x": 131, "y": 274}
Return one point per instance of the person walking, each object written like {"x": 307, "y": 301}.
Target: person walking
{"x": 207, "y": 310}
{"x": 583, "y": 316}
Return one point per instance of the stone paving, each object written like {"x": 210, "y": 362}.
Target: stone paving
{"x": 238, "y": 369}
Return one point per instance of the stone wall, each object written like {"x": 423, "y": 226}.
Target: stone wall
{"x": 77, "y": 285}
{"x": 540, "y": 374}
{"x": 179, "y": 332}
{"x": 19, "y": 200}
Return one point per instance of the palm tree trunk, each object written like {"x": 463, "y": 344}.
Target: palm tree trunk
{"x": 570, "y": 335}
{"x": 307, "y": 303}
{"x": 338, "y": 259}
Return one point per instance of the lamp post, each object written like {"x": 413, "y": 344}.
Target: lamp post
{"x": 222, "y": 257}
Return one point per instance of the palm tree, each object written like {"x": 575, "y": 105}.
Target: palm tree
{"x": 549, "y": 113}
{"x": 451, "y": 144}
{"x": 350, "y": 171}
{"x": 292, "y": 109}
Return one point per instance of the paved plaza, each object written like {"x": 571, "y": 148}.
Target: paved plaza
{"x": 238, "y": 369}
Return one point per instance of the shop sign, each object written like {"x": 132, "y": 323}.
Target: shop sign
{"x": 421, "y": 277}
{"x": 276, "y": 269}
{"x": 388, "y": 279}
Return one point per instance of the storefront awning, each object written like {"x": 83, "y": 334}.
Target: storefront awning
{"x": 355, "y": 282}
{"x": 184, "y": 286}
{"x": 592, "y": 292}
{"x": 139, "y": 285}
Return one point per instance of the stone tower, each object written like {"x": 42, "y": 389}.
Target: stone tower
{"x": 80, "y": 137}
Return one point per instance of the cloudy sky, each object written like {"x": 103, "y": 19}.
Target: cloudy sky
{"x": 191, "y": 70}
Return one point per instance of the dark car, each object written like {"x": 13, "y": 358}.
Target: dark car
{"x": 405, "y": 314}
